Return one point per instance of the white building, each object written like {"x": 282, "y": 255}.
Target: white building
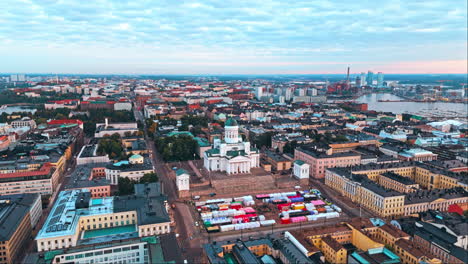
{"x": 112, "y": 128}
{"x": 123, "y": 106}
{"x": 258, "y": 92}
{"x": 313, "y": 92}
{"x": 129, "y": 251}
{"x": 24, "y": 122}
{"x": 301, "y": 169}
{"x": 231, "y": 155}
{"x": 88, "y": 155}
{"x": 135, "y": 168}
{"x": 182, "y": 180}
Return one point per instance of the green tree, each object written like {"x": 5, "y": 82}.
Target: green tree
{"x": 111, "y": 146}
{"x": 149, "y": 177}
{"x": 176, "y": 148}
{"x": 126, "y": 186}
{"x": 290, "y": 147}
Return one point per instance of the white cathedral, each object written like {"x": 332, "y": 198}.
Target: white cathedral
{"x": 231, "y": 155}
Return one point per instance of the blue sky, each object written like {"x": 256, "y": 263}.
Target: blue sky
{"x": 232, "y": 36}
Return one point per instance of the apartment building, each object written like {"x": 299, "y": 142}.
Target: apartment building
{"x": 19, "y": 214}
{"x": 277, "y": 161}
{"x": 369, "y": 238}
{"x": 43, "y": 181}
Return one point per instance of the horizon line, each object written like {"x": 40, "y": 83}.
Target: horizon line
{"x": 225, "y": 74}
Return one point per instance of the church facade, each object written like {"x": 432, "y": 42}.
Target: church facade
{"x": 231, "y": 155}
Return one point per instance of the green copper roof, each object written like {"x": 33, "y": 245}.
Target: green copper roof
{"x": 299, "y": 162}
{"x": 231, "y": 122}
{"x": 234, "y": 153}
{"x": 181, "y": 171}
{"x": 212, "y": 152}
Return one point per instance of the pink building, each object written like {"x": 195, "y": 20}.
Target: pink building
{"x": 4, "y": 142}
{"x": 320, "y": 161}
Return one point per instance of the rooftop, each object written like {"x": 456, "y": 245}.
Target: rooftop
{"x": 397, "y": 177}
{"x": 13, "y": 208}
{"x": 374, "y": 187}
{"x": 423, "y": 196}
{"x": 72, "y": 204}
{"x": 67, "y": 210}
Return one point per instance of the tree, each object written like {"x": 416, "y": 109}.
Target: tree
{"x": 126, "y": 186}
{"x": 263, "y": 140}
{"x": 111, "y": 146}
{"x": 149, "y": 177}
{"x": 176, "y": 148}
{"x": 290, "y": 146}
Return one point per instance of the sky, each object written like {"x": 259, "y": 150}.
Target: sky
{"x": 232, "y": 36}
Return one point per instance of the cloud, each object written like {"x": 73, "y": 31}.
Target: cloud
{"x": 253, "y": 32}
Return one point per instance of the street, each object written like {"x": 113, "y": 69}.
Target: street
{"x": 189, "y": 238}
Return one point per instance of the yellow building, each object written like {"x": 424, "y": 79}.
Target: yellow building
{"x": 390, "y": 190}
{"x": 333, "y": 251}
{"x": 410, "y": 253}
{"x": 18, "y": 216}
{"x": 391, "y": 180}
{"x": 389, "y": 234}
{"x": 366, "y": 238}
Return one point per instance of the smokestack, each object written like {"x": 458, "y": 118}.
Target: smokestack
{"x": 347, "y": 76}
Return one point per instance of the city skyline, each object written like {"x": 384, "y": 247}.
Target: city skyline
{"x": 235, "y": 37}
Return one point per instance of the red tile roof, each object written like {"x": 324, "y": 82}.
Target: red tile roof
{"x": 44, "y": 170}
{"x": 65, "y": 121}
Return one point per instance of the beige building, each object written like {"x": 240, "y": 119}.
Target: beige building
{"x": 391, "y": 180}
{"x": 388, "y": 199}
{"x": 19, "y": 214}
{"x": 75, "y": 216}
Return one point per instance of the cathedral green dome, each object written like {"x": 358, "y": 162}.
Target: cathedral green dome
{"x": 230, "y": 122}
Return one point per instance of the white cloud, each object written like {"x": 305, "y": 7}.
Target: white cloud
{"x": 308, "y": 30}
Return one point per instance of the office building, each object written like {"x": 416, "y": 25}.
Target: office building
{"x": 384, "y": 199}
{"x": 380, "y": 79}
{"x": 370, "y": 78}
{"x": 358, "y": 81}
{"x": 76, "y": 219}
{"x": 320, "y": 161}
{"x": 258, "y": 92}
{"x": 363, "y": 79}
{"x": 151, "y": 250}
